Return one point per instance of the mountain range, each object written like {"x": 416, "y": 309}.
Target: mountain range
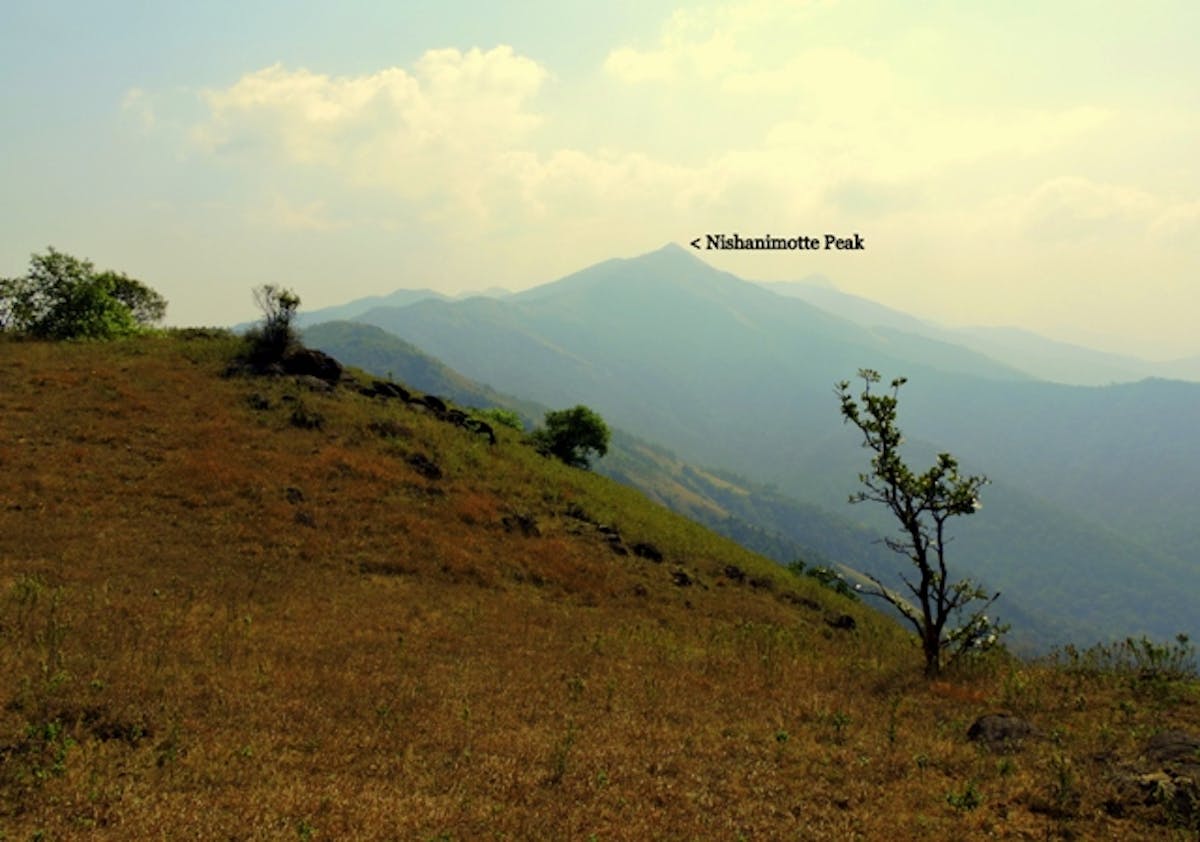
{"x": 1046, "y": 359}
{"x": 1089, "y": 523}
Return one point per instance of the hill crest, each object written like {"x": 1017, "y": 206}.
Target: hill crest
{"x": 251, "y": 593}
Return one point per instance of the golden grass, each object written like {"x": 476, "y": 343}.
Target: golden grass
{"x": 215, "y": 624}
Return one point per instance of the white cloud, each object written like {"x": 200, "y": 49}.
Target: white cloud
{"x": 837, "y": 136}
{"x": 834, "y": 113}
{"x": 425, "y": 134}
{"x": 1069, "y": 209}
{"x": 456, "y": 137}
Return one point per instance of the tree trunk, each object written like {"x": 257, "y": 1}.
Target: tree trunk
{"x": 933, "y": 655}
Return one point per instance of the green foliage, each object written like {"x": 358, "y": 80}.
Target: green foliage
{"x": 839, "y": 720}
{"x": 63, "y": 297}
{"x": 921, "y": 503}
{"x": 1152, "y": 669}
{"x": 44, "y": 752}
{"x": 146, "y": 305}
{"x": 826, "y": 575}
{"x": 270, "y": 341}
{"x": 572, "y": 435}
{"x": 505, "y": 417}
{"x": 966, "y": 800}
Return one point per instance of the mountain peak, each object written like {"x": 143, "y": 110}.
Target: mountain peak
{"x": 674, "y": 252}
{"x": 676, "y": 262}
{"x": 671, "y": 248}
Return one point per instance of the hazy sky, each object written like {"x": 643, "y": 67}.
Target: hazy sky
{"x": 1024, "y": 163}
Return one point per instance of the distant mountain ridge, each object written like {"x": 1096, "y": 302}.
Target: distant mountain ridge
{"x": 1094, "y": 487}
{"x": 1046, "y": 359}
{"x": 352, "y": 309}
{"x": 784, "y": 528}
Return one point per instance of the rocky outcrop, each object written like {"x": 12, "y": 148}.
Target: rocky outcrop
{"x": 1000, "y": 731}
{"x": 1163, "y": 783}
{"x": 312, "y": 363}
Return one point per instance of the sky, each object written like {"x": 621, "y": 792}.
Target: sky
{"x": 1020, "y": 163}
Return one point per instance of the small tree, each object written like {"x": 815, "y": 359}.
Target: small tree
{"x": 571, "y": 435}
{"x": 63, "y": 297}
{"x": 922, "y": 503}
{"x": 145, "y": 305}
{"x": 271, "y": 340}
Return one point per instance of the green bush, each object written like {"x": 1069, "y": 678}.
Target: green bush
{"x": 63, "y": 297}
{"x": 505, "y": 417}
{"x": 572, "y": 435}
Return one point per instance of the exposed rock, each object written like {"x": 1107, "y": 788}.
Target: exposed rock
{"x": 313, "y": 384}
{"x": 386, "y": 390}
{"x": 1177, "y": 750}
{"x": 1165, "y": 781}
{"x": 574, "y": 510}
{"x": 314, "y": 363}
{"x": 432, "y": 402}
{"x": 481, "y": 427}
{"x": 735, "y": 573}
{"x": 425, "y": 466}
{"x": 1000, "y": 731}
{"x": 802, "y": 601}
{"x": 1159, "y": 796}
{"x": 842, "y": 621}
{"x": 681, "y": 578}
{"x": 648, "y": 551}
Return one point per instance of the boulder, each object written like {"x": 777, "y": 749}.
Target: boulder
{"x": 1176, "y": 750}
{"x": 735, "y": 573}
{"x": 842, "y": 622}
{"x": 646, "y": 550}
{"x": 425, "y": 466}
{"x": 1164, "y": 785}
{"x": 314, "y": 384}
{"x": 1000, "y": 731}
{"x": 308, "y": 361}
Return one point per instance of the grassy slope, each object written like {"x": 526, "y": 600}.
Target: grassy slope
{"x": 785, "y": 529}
{"x": 191, "y": 649}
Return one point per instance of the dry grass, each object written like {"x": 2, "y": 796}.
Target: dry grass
{"x": 216, "y": 624}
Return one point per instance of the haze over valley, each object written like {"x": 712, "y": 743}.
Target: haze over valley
{"x": 1087, "y": 526}
{"x": 438, "y": 421}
